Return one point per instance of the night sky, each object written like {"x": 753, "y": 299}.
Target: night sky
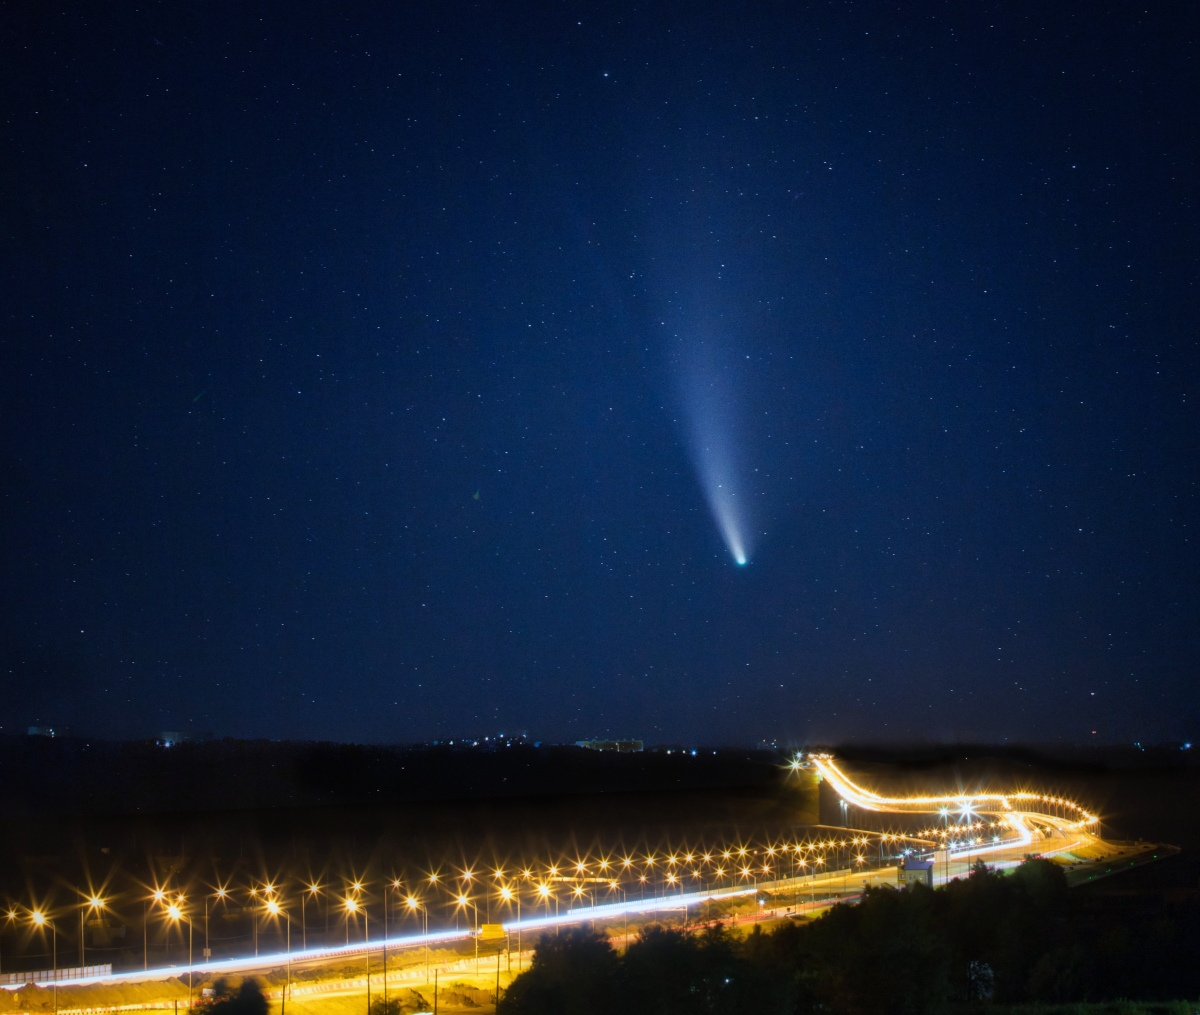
{"x": 386, "y": 372}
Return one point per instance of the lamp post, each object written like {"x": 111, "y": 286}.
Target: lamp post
{"x": 508, "y": 895}
{"x": 462, "y": 902}
{"x": 313, "y": 889}
{"x": 156, "y": 896}
{"x": 395, "y": 884}
{"x": 175, "y": 914}
{"x": 353, "y": 906}
{"x": 581, "y": 895}
{"x": 220, "y": 895}
{"x": 254, "y": 917}
{"x": 414, "y": 904}
{"x": 11, "y": 916}
{"x": 93, "y": 903}
{"x": 40, "y": 920}
{"x": 276, "y": 910}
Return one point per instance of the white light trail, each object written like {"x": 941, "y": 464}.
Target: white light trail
{"x": 1014, "y": 806}
{"x": 264, "y": 961}
{"x": 578, "y": 915}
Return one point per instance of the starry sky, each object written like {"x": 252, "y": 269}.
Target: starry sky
{"x": 385, "y": 372}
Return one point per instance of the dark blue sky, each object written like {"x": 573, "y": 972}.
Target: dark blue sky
{"x": 369, "y": 370}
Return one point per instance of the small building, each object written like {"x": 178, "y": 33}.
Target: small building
{"x": 916, "y": 872}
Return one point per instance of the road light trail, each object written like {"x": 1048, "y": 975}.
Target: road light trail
{"x": 582, "y": 914}
{"x": 1013, "y": 808}
{"x": 868, "y": 800}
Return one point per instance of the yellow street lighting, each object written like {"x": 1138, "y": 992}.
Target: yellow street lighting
{"x": 38, "y": 917}
{"x": 351, "y": 905}
{"x": 506, "y": 893}
{"x": 174, "y": 912}
{"x": 462, "y": 900}
{"x": 273, "y": 907}
{"x": 544, "y": 891}
{"x": 94, "y": 903}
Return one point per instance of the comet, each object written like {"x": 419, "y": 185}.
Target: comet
{"x": 709, "y": 408}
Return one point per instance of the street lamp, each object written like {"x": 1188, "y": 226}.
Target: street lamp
{"x": 508, "y": 895}
{"x": 94, "y": 903}
{"x": 462, "y": 902}
{"x": 175, "y": 914}
{"x": 353, "y": 906}
{"x": 413, "y": 905}
{"x": 40, "y": 920}
{"x": 276, "y": 910}
{"x": 220, "y": 894}
{"x": 313, "y": 889}
{"x": 580, "y": 896}
{"x": 11, "y": 916}
{"x": 156, "y": 896}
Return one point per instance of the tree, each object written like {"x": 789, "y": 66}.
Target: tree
{"x": 246, "y": 999}
{"x": 574, "y": 972}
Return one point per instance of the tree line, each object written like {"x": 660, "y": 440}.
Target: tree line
{"x": 985, "y": 939}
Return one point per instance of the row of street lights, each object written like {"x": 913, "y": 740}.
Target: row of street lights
{"x": 664, "y": 873}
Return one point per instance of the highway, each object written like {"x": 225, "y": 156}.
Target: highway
{"x": 1001, "y": 829}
